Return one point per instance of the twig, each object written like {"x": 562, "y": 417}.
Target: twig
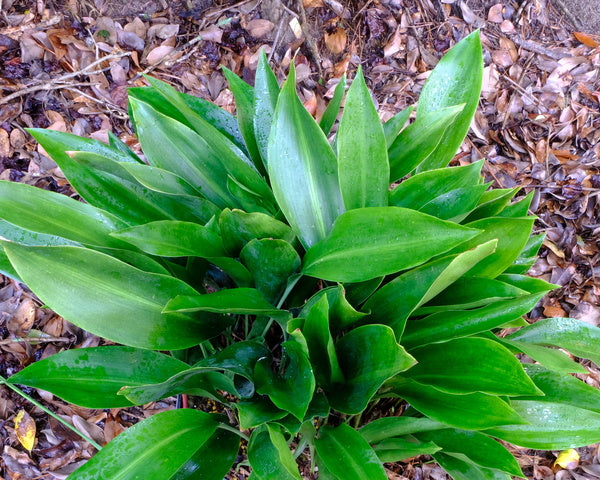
{"x": 9, "y": 341}
{"x": 57, "y": 83}
{"x": 537, "y": 48}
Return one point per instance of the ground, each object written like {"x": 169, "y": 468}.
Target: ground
{"x": 66, "y": 65}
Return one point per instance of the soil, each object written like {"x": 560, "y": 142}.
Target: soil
{"x": 538, "y": 126}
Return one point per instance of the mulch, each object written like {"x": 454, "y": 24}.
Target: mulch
{"x": 66, "y": 65}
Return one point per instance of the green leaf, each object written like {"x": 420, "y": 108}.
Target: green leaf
{"x": 347, "y": 455}
{"x": 238, "y": 358}
{"x": 213, "y": 459}
{"x": 266, "y": 92}
{"x": 257, "y": 411}
{"x": 271, "y": 262}
{"x": 456, "y": 79}
{"x": 363, "y": 166}
{"x": 370, "y": 242}
{"x": 341, "y": 313}
{"x": 394, "y": 125}
{"x": 292, "y": 388}
{"x": 415, "y": 144}
{"x": 358, "y": 293}
{"x": 238, "y": 228}
{"x": 418, "y": 190}
{"x": 196, "y": 381}
{"x": 529, "y": 284}
{"x": 492, "y": 203}
{"x": 171, "y": 238}
{"x": 156, "y": 447}
{"x": 232, "y": 267}
{"x": 92, "y": 377}
{"x": 561, "y": 388}
{"x": 117, "y": 144}
{"x": 303, "y": 169}
{"x": 461, "y": 366}
{"x": 388, "y": 427}
{"x": 477, "y": 447}
{"x": 96, "y": 292}
{"x": 244, "y": 103}
{"x": 519, "y": 208}
{"x": 172, "y": 146}
{"x": 471, "y": 411}
{"x": 236, "y": 301}
{"x": 461, "y": 468}
{"x": 579, "y": 338}
{"x": 394, "y": 302}
{"x": 398, "y": 449}
{"x": 333, "y": 107}
{"x": 158, "y": 179}
{"x": 54, "y": 214}
{"x": 447, "y": 325}
{"x": 270, "y": 456}
{"x": 366, "y": 368}
{"x": 551, "y": 426}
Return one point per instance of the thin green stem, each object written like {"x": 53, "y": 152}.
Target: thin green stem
{"x": 288, "y": 289}
{"x": 97, "y": 446}
{"x": 224, "y": 426}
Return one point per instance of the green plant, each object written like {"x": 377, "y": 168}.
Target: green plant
{"x": 287, "y": 283}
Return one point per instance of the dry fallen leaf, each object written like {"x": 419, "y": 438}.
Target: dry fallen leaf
{"x": 312, "y": 3}
{"x": 157, "y": 54}
{"x": 495, "y": 14}
{"x": 259, "y": 27}
{"x": 336, "y": 41}
{"x": 25, "y": 429}
{"x": 568, "y": 459}
{"x": 394, "y": 45}
{"x": 587, "y": 39}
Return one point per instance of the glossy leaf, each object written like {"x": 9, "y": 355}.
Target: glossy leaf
{"x": 341, "y": 313}
{"x": 363, "y": 166}
{"x": 266, "y": 92}
{"x": 236, "y": 271}
{"x": 170, "y": 238}
{"x": 292, "y": 388}
{"x": 366, "y": 368}
{"x": 370, "y": 242}
{"x": 477, "y": 447}
{"x": 347, "y": 455}
{"x": 456, "y": 79}
{"x": 158, "y": 179}
{"x": 303, "y": 172}
{"x": 117, "y": 144}
{"x": 333, "y": 107}
{"x": 551, "y": 426}
{"x": 271, "y": 263}
{"x": 213, "y": 459}
{"x": 553, "y": 359}
{"x": 92, "y": 377}
{"x": 561, "y": 388}
{"x": 492, "y": 203}
{"x": 458, "y": 366}
{"x": 390, "y": 427}
{"x": 578, "y": 337}
{"x": 394, "y": 125}
{"x": 96, "y": 292}
{"x": 447, "y": 325}
{"x": 156, "y": 447}
{"x": 270, "y": 456}
{"x": 172, "y": 146}
{"x": 398, "y": 449}
{"x": 238, "y": 358}
{"x": 471, "y": 411}
{"x": 461, "y": 468}
{"x": 418, "y": 190}
{"x": 236, "y": 301}
{"x": 394, "y": 302}
{"x": 238, "y": 228}
{"x": 416, "y": 142}
{"x": 54, "y": 214}
{"x": 257, "y": 411}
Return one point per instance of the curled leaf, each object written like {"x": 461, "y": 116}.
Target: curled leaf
{"x": 568, "y": 459}
{"x": 25, "y": 429}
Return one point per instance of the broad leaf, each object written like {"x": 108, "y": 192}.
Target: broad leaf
{"x": 363, "y": 166}
{"x": 171, "y": 238}
{"x": 270, "y": 456}
{"x": 551, "y": 426}
{"x": 97, "y": 292}
{"x": 341, "y": 313}
{"x": 471, "y": 411}
{"x": 389, "y": 427}
{"x": 370, "y": 242}
{"x": 417, "y": 141}
{"x": 347, "y": 455}
{"x": 398, "y": 449}
{"x": 292, "y": 388}
{"x": 579, "y": 338}
{"x": 92, "y": 377}
{"x": 460, "y": 467}
{"x": 271, "y": 263}
{"x": 551, "y": 358}
{"x": 257, "y": 411}
{"x": 447, "y": 325}
{"x": 173, "y": 437}
{"x": 266, "y": 92}
{"x": 458, "y": 366}
{"x": 366, "y": 368}
{"x": 394, "y": 125}
{"x": 303, "y": 169}
{"x": 492, "y": 203}
{"x": 456, "y": 79}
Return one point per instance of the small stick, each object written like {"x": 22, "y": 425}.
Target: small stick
{"x": 9, "y": 341}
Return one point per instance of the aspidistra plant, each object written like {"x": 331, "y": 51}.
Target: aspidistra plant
{"x": 263, "y": 263}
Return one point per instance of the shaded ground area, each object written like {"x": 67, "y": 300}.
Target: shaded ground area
{"x": 66, "y": 65}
